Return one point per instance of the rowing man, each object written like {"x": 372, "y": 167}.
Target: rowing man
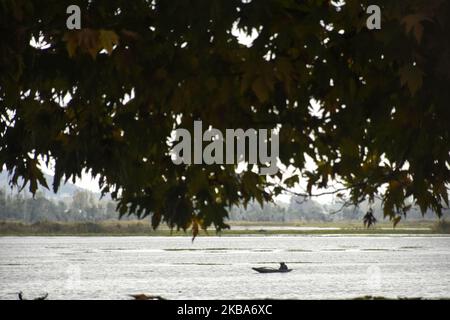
{"x": 283, "y": 266}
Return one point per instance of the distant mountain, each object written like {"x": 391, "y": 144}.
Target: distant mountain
{"x": 65, "y": 190}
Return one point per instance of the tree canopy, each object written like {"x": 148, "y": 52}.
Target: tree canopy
{"x": 107, "y": 97}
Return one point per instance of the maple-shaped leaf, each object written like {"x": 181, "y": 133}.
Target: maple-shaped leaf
{"x": 156, "y": 220}
{"x": 260, "y": 89}
{"x": 413, "y": 23}
{"x": 195, "y": 228}
{"x": 412, "y": 77}
{"x": 396, "y": 220}
{"x": 107, "y": 40}
{"x": 90, "y": 41}
{"x": 72, "y": 42}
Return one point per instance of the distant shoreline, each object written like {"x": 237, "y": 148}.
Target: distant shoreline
{"x": 143, "y": 228}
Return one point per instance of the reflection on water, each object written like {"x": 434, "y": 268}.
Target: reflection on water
{"x": 325, "y": 267}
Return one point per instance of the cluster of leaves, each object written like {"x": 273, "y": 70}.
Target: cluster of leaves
{"x": 382, "y": 129}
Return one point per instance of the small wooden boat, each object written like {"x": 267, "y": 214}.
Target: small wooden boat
{"x": 143, "y": 296}
{"x": 271, "y": 270}
{"x": 21, "y": 297}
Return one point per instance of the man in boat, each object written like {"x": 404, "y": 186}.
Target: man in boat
{"x": 283, "y": 266}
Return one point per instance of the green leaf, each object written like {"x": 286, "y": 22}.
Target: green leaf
{"x": 412, "y": 77}
{"x": 413, "y": 23}
{"x": 72, "y": 42}
{"x": 260, "y": 89}
{"x": 396, "y": 220}
{"x": 108, "y": 39}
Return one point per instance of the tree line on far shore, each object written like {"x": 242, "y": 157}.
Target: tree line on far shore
{"x": 86, "y": 206}
{"x": 81, "y": 206}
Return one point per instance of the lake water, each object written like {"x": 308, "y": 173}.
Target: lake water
{"x": 325, "y": 267}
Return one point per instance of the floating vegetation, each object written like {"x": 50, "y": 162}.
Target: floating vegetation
{"x": 209, "y": 249}
{"x": 143, "y": 296}
{"x": 21, "y": 296}
{"x": 368, "y": 297}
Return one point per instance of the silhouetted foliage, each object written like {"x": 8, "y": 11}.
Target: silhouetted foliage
{"x": 139, "y": 69}
{"x": 369, "y": 219}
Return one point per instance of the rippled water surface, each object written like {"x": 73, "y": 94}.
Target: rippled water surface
{"x": 325, "y": 267}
